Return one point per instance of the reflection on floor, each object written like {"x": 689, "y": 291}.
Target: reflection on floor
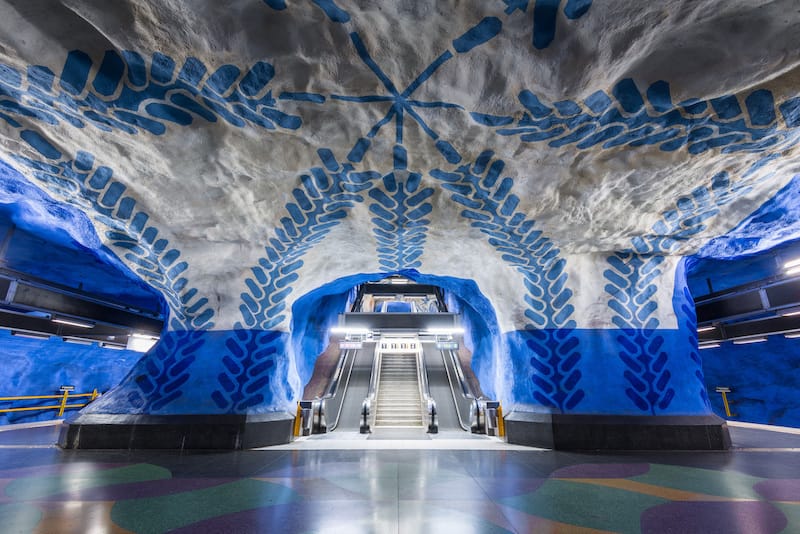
{"x": 753, "y": 489}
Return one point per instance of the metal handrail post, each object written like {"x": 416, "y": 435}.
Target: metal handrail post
{"x": 63, "y": 405}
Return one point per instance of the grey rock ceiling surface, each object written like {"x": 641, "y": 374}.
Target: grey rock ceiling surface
{"x": 325, "y": 139}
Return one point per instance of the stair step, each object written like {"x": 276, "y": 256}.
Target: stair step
{"x": 398, "y": 403}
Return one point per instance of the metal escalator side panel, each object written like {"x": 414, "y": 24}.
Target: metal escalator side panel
{"x": 352, "y": 391}
{"x": 332, "y": 404}
{"x": 431, "y": 414}
{"x": 441, "y": 390}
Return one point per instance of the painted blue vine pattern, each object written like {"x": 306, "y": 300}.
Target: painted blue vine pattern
{"x": 323, "y": 199}
{"x": 632, "y": 284}
{"x": 400, "y": 226}
{"x": 129, "y": 94}
{"x": 92, "y": 188}
{"x": 125, "y": 92}
{"x": 490, "y": 206}
{"x": 544, "y": 14}
{"x": 402, "y": 105}
{"x": 627, "y": 117}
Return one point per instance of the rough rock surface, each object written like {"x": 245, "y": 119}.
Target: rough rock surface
{"x": 563, "y": 155}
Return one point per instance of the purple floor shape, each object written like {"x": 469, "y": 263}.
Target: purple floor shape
{"x": 780, "y": 489}
{"x": 138, "y": 490}
{"x": 601, "y": 471}
{"x": 714, "y": 517}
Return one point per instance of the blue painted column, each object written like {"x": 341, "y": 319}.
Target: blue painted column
{"x": 623, "y": 372}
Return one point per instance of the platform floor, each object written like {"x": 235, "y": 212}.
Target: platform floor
{"x": 754, "y": 488}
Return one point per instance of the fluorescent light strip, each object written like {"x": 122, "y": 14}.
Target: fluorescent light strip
{"x": 748, "y": 341}
{"x": 77, "y": 341}
{"x": 706, "y": 328}
{"x": 29, "y": 336}
{"x": 790, "y": 314}
{"x": 112, "y": 346}
{"x": 443, "y": 331}
{"x": 73, "y": 322}
{"x": 792, "y": 336}
{"x": 144, "y": 336}
{"x": 349, "y": 330}
{"x": 708, "y": 346}
{"x": 793, "y": 270}
{"x": 792, "y": 263}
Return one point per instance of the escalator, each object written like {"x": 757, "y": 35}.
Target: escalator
{"x": 398, "y": 367}
{"x": 417, "y": 386}
{"x": 446, "y": 390}
{"x": 346, "y": 412}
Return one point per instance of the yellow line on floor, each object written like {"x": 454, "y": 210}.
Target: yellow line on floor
{"x": 650, "y": 489}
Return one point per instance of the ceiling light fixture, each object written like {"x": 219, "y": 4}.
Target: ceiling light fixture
{"x": 141, "y": 342}
{"x": 747, "y": 341}
{"x": 793, "y": 270}
{"x": 708, "y": 346}
{"x": 790, "y": 314}
{"x": 350, "y": 330}
{"x": 792, "y": 263}
{"x": 29, "y": 335}
{"x": 73, "y": 322}
{"x": 793, "y": 335}
{"x": 443, "y": 331}
{"x": 77, "y": 341}
{"x": 706, "y": 328}
{"x": 137, "y": 335}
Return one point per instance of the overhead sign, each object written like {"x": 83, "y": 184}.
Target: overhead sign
{"x": 345, "y": 345}
{"x": 447, "y": 345}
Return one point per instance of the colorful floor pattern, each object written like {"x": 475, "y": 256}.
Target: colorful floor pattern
{"x": 46, "y": 490}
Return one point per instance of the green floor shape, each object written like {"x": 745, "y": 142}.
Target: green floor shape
{"x": 792, "y": 513}
{"x": 707, "y": 481}
{"x": 18, "y": 517}
{"x": 160, "y": 514}
{"x": 586, "y": 505}
{"x": 32, "y": 488}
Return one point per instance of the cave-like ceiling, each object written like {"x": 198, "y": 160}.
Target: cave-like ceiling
{"x": 239, "y": 154}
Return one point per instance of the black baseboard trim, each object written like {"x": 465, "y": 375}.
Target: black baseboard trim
{"x": 176, "y": 432}
{"x": 617, "y": 432}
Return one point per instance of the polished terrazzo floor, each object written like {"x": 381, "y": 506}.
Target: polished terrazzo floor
{"x": 752, "y": 489}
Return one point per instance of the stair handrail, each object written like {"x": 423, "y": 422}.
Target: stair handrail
{"x": 483, "y": 410}
{"x": 367, "y": 413}
{"x": 313, "y": 413}
{"x": 466, "y": 392}
{"x": 431, "y": 415}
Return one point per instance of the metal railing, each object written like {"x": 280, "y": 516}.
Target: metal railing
{"x": 312, "y": 415}
{"x": 485, "y": 415}
{"x": 367, "y": 413}
{"x": 66, "y": 394}
{"x": 431, "y": 415}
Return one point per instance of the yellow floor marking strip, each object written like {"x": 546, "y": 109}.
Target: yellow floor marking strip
{"x": 650, "y": 489}
{"x": 77, "y": 516}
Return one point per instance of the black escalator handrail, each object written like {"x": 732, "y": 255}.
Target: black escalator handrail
{"x": 372, "y": 393}
{"x": 333, "y": 390}
{"x": 425, "y": 390}
{"x": 465, "y": 390}
{"x": 462, "y": 380}
{"x": 337, "y": 374}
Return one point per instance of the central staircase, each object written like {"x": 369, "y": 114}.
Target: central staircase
{"x": 399, "y": 403}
